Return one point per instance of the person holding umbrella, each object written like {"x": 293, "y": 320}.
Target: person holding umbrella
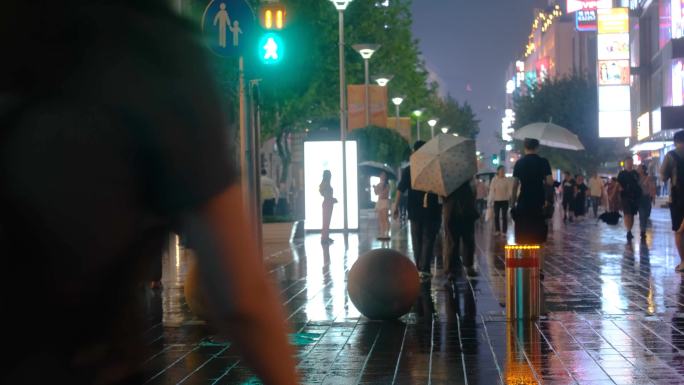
{"x": 531, "y": 173}
{"x": 446, "y": 166}
{"x": 424, "y": 212}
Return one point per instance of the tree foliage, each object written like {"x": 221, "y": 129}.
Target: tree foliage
{"x": 458, "y": 118}
{"x": 570, "y": 102}
{"x": 381, "y": 144}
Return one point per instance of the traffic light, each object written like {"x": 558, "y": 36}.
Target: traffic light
{"x": 495, "y": 160}
{"x": 273, "y": 19}
{"x": 271, "y": 48}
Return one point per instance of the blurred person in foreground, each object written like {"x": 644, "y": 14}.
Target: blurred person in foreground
{"x": 112, "y": 136}
{"x": 672, "y": 170}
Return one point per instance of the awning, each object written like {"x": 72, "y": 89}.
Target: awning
{"x": 650, "y": 146}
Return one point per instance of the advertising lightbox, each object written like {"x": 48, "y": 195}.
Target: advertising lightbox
{"x": 585, "y": 20}
{"x": 613, "y": 46}
{"x": 321, "y": 156}
{"x": 576, "y": 5}
{"x": 613, "y": 72}
{"x": 615, "y": 124}
{"x": 613, "y": 20}
{"x": 614, "y": 98}
{"x": 644, "y": 126}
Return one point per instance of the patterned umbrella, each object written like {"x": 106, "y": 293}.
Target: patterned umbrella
{"x": 443, "y": 164}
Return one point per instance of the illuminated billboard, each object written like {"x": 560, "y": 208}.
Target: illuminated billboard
{"x": 585, "y": 20}
{"x": 321, "y": 156}
{"x": 577, "y": 5}
{"x": 613, "y": 73}
{"x": 644, "y": 126}
{"x": 613, "y": 20}
{"x": 613, "y": 46}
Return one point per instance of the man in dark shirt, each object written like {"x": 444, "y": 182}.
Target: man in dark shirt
{"x": 112, "y": 136}
{"x": 424, "y": 213}
{"x": 630, "y": 193}
{"x": 531, "y": 173}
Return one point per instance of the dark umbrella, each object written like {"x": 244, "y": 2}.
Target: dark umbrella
{"x": 611, "y": 218}
{"x": 375, "y": 168}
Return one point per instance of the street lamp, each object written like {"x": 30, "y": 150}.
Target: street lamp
{"x": 418, "y": 113}
{"x": 445, "y": 130}
{"x": 366, "y": 51}
{"x": 397, "y": 101}
{"x": 432, "y": 123}
{"x": 341, "y": 5}
{"x": 382, "y": 80}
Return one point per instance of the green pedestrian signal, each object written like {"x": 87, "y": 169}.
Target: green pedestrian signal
{"x": 495, "y": 160}
{"x": 271, "y": 48}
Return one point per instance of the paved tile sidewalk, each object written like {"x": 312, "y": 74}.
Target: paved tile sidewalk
{"x": 616, "y": 316}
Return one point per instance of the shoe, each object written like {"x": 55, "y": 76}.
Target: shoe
{"x": 643, "y": 235}
{"x": 471, "y": 272}
{"x": 630, "y": 236}
{"x": 327, "y": 241}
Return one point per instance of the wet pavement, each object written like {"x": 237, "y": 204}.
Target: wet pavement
{"x": 615, "y": 316}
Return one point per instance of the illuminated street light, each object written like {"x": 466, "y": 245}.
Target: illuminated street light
{"x": 382, "y": 80}
{"x": 397, "y": 100}
{"x": 366, "y": 51}
{"x": 341, "y": 5}
{"x": 445, "y": 130}
{"x": 509, "y": 147}
{"x": 418, "y": 113}
{"x": 432, "y": 123}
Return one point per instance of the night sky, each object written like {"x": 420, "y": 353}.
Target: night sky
{"x": 472, "y": 42}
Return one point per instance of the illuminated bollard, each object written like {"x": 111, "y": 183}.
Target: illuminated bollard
{"x": 522, "y": 282}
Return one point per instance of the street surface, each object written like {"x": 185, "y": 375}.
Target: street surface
{"x": 615, "y": 316}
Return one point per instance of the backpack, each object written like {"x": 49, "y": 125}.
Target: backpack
{"x": 678, "y": 189}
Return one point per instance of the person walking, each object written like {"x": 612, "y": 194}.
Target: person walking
{"x": 630, "y": 194}
{"x": 648, "y": 194}
{"x": 481, "y": 195}
{"x": 424, "y": 214}
{"x": 326, "y": 190}
{"x": 99, "y": 160}
{"x": 460, "y": 213}
{"x": 672, "y": 170}
{"x": 499, "y": 195}
{"x": 568, "y": 189}
{"x": 595, "y": 192}
{"x": 382, "y": 190}
{"x": 531, "y": 173}
{"x": 579, "y": 204}
{"x": 269, "y": 194}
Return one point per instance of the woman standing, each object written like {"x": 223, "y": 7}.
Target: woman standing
{"x": 382, "y": 190}
{"x": 648, "y": 193}
{"x": 326, "y": 191}
{"x": 499, "y": 194}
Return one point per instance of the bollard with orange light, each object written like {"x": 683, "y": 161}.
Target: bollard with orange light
{"x": 522, "y": 282}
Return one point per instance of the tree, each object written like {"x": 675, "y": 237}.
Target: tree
{"x": 570, "y": 102}
{"x": 382, "y": 145}
{"x": 459, "y": 118}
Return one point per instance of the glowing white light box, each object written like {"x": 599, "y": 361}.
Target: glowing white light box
{"x": 321, "y": 156}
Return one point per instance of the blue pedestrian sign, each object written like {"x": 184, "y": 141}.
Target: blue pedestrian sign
{"x": 228, "y": 27}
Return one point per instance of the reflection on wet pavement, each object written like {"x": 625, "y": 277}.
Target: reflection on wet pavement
{"x": 615, "y": 316}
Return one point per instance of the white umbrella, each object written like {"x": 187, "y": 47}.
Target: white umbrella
{"x": 375, "y": 168}
{"x": 443, "y": 164}
{"x": 549, "y": 134}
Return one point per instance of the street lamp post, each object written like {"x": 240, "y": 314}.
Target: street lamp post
{"x": 397, "y": 101}
{"x": 432, "y": 123}
{"x": 445, "y": 130}
{"x": 366, "y": 51}
{"x": 341, "y": 5}
{"x": 382, "y": 80}
{"x": 418, "y": 113}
